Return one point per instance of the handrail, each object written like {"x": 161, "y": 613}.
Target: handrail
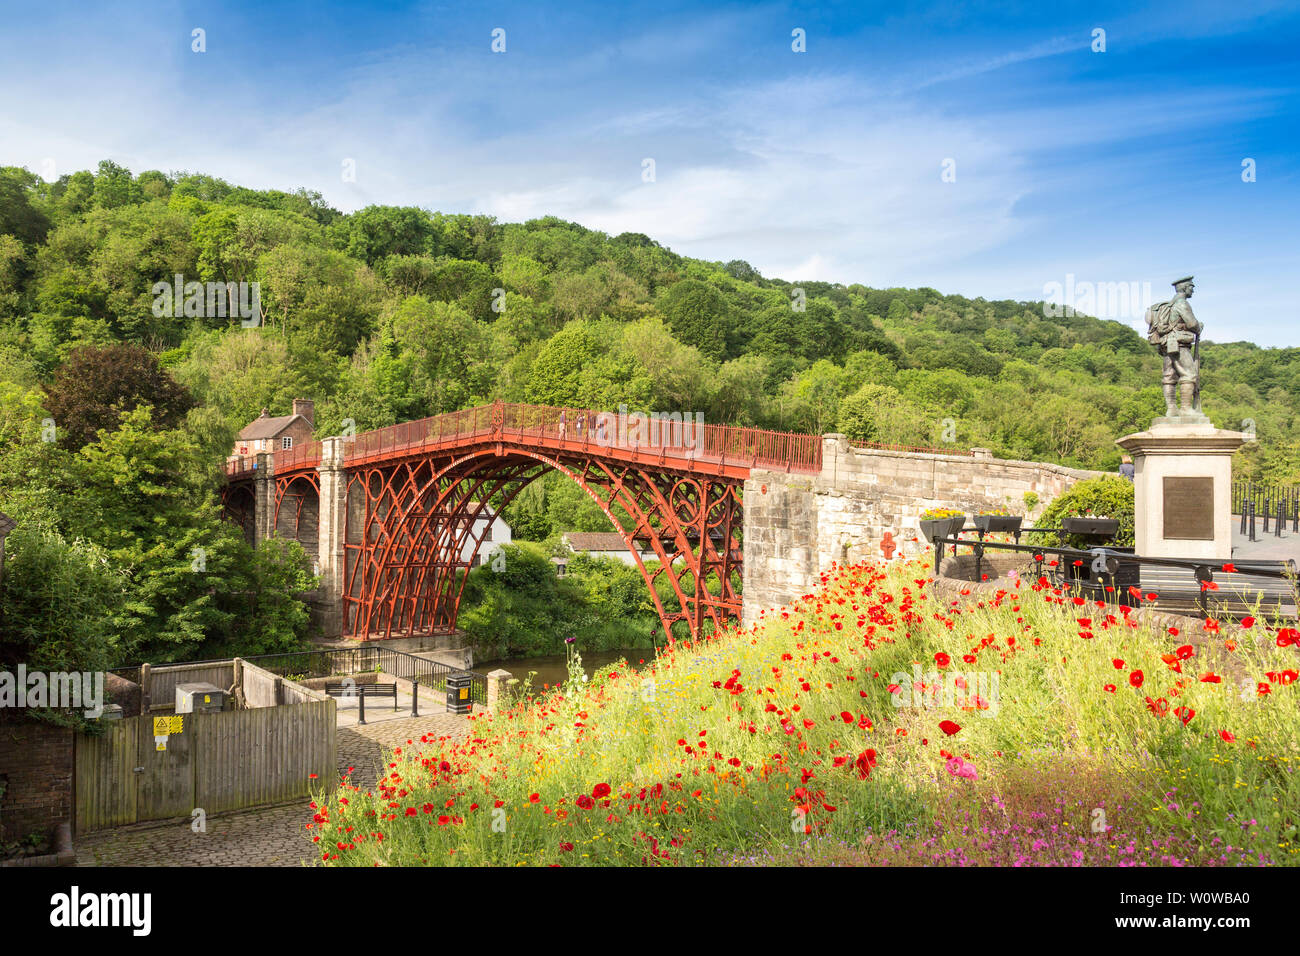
{"x": 1204, "y": 570}
{"x": 565, "y": 426}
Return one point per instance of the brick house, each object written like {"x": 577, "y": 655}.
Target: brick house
{"x": 269, "y": 434}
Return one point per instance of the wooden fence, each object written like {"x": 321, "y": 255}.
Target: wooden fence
{"x": 163, "y": 766}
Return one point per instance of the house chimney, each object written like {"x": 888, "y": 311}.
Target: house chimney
{"x": 306, "y": 408}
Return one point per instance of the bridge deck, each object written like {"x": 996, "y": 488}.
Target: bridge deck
{"x": 718, "y": 450}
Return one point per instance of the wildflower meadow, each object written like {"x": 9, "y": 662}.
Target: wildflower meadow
{"x": 885, "y": 720}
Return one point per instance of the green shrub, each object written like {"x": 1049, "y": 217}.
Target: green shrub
{"x": 56, "y": 604}
{"x": 1109, "y": 496}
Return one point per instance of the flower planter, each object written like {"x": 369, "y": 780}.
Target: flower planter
{"x": 1100, "y": 527}
{"x": 934, "y": 528}
{"x": 958, "y": 523}
{"x": 1002, "y": 524}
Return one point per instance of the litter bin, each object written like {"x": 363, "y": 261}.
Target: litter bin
{"x": 458, "y": 701}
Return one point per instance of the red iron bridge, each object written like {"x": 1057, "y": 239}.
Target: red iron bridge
{"x": 390, "y": 515}
{"x": 395, "y": 517}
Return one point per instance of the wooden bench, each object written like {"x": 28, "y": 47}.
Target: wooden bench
{"x": 346, "y": 689}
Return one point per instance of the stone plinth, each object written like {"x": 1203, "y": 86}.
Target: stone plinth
{"x": 1183, "y": 489}
{"x": 498, "y": 685}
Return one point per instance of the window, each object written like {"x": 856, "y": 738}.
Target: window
{"x": 487, "y": 535}
{"x": 286, "y": 441}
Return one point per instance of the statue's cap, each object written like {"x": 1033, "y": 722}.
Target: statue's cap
{"x": 1178, "y": 282}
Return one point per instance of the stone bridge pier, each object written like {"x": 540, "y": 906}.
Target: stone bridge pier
{"x": 797, "y": 526}
{"x": 311, "y": 509}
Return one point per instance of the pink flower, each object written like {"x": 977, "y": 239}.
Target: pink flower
{"x": 960, "y": 768}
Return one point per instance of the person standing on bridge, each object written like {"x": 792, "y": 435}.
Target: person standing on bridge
{"x": 561, "y": 428}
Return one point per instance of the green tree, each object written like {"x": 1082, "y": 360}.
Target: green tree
{"x": 96, "y": 386}
{"x": 18, "y": 216}
{"x": 699, "y": 315}
{"x": 114, "y": 186}
{"x": 58, "y": 601}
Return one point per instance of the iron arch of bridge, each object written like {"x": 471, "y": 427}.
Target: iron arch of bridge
{"x": 410, "y": 536}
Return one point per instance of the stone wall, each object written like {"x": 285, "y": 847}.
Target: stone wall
{"x": 796, "y": 526}
{"x": 36, "y": 762}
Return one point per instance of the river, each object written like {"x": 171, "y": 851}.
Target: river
{"x": 553, "y": 668}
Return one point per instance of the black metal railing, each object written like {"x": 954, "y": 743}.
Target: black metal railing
{"x": 1275, "y": 505}
{"x": 1112, "y": 573}
{"x": 329, "y": 662}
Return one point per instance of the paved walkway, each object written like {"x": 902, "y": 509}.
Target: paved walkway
{"x": 1265, "y": 547}
{"x": 268, "y": 836}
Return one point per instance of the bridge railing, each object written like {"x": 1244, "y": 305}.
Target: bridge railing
{"x": 306, "y": 455}
{"x": 742, "y": 446}
{"x": 239, "y": 465}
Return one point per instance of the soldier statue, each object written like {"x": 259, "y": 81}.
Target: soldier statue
{"x": 1176, "y": 334}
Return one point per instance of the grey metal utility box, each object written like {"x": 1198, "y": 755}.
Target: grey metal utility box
{"x": 199, "y": 698}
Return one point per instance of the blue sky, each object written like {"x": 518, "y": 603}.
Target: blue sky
{"x": 1116, "y": 166}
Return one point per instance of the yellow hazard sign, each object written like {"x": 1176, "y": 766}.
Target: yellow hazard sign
{"x": 164, "y": 726}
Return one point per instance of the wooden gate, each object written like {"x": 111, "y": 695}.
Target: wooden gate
{"x": 105, "y": 776}
{"x": 164, "y": 766}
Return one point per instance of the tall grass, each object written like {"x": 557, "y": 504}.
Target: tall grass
{"x": 808, "y": 738}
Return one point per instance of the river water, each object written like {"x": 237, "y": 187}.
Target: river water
{"x": 553, "y": 668}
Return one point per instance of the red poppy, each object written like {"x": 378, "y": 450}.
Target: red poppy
{"x": 863, "y": 764}
{"x": 1227, "y": 736}
{"x": 1135, "y": 678}
{"x": 1158, "y": 707}
{"x": 941, "y": 659}
{"x": 1119, "y": 664}
{"x": 948, "y": 727}
{"x": 600, "y": 791}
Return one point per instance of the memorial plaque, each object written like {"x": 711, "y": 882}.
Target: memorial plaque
{"x": 1189, "y": 509}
